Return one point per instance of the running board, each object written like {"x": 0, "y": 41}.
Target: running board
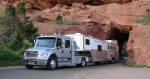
{"x": 65, "y": 64}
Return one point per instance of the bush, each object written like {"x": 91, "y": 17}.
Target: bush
{"x": 59, "y": 19}
{"x": 9, "y": 57}
{"x": 23, "y": 31}
{"x": 10, "y": 11}
{"x": 6, "y": 53}
{"x": 144, "y": 20}
{"x": 20, "y": 8}
{"x": 71, "y": 23}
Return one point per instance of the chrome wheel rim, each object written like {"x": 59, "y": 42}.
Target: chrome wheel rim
{"x": 53, "y": 64}
{"x": 83, "y": 63}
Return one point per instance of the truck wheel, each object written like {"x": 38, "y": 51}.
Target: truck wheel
{"x": 29, "y": 66}
{"x": 83, "y": 63}
{"x": 52, "y": 63}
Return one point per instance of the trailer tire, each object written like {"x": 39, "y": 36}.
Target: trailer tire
{"x": 29, "y": 66}
{"x": 83, "y": 62}
{"x": 52, "y": 63}
{"x": 113, "y": 60}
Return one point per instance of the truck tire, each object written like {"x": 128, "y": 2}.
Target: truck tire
{"x": 52, "y": 63}
{"x": 29, "y": 66}
{"x": 83, "y": 62}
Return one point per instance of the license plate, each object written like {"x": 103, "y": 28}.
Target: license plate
{"x": 31, "y": 63}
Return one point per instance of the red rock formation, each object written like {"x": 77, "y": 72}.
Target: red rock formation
{"x": 139, "y": 45}
{"x": 91, "y": 28}
{"x": 43, "y": 4}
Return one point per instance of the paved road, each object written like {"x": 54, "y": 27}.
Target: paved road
{"x": 104, "y": 71}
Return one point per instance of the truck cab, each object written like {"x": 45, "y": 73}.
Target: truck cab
{"x": 52, "y": 51}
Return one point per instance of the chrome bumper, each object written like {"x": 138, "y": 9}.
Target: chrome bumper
{"x": 36, "y": 62}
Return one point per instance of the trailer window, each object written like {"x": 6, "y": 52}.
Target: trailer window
{"x": 99, "y": 48}
{"x": 110, "y": 47}
{"x": 67, "y": 44}
{"x": 115, "y": 48}
{"x": 87, "y": 42}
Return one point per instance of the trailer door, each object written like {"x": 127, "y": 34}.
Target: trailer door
{"x": 67, "y": 51}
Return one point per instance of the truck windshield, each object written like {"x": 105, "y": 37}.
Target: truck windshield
{"x": 45, "y": 42}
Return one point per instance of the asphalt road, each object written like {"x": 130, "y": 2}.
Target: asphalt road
{"x": 103, "y": 71}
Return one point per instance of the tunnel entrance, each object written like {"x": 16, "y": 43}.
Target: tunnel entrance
{"x": 94, "y": 2}
{"x": 122, "y": 39}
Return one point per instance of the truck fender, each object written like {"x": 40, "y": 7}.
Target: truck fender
{"x": 53, "y": 55}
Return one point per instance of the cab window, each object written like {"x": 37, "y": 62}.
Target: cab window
{"x": 67, "y": 44}
{"x": 58, "y": 43}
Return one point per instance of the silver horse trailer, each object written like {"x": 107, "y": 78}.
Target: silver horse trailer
{"x": 69, "y": 50}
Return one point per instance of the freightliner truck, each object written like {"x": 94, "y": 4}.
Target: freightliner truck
{"x": 77, "y": 49}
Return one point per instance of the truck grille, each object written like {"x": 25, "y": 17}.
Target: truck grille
{"x": 31, "y": 53}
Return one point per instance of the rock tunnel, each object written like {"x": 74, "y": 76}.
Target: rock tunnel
{"x": 121, "y": 37}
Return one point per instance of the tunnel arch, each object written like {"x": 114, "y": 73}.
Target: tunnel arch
{"x": 121, "y": 37}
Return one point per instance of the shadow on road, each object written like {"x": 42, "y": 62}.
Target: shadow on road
{"x": 89, "y": 66}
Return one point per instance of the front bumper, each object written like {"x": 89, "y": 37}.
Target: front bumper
{"x": 36, "y": 62}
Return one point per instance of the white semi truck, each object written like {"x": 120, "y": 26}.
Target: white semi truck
{"x": 70, "y": 50}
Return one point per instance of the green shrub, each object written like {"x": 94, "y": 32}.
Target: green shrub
{"x": 10, "y": 11}
{"x": 23, "y": 31}
{"x": 144, "y": 20}
{"x": 71, "y": 23}
{"x": 20, "y": 8}
{"x": 11, "y": 63}
{"x": 7, "y": 54}
{"x": 59, "y": 19}
{"x": 13, "y": 44}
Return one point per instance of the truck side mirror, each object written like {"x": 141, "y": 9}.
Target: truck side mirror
{"x": 34, "y": 41}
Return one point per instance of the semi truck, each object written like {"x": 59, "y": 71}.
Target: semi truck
{"x": 76, "y": 49}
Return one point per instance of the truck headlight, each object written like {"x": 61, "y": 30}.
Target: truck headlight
{"x": 44, "y": 54}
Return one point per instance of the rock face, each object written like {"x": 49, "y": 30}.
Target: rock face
{"x": 139, "y": 46}
{"x": 94, "y": 29}
{"x": 43, "y": 4}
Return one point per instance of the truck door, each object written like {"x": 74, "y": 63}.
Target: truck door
{"x": 67, "y": 51}
{"x": 59, "y": 51}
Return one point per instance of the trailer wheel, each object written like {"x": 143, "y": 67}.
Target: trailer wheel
{"x": 29, "y": 66}
{"x": 83, "y": 62}
{"x": 52, "y": 63}
{"x": 114, "y": 60}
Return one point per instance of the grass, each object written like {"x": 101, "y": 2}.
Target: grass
{"x": 5, "y": 63}
{"x": 70, "y": 23}
{"x": 136, "y": 66}
{"x": 145, "y": 20}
